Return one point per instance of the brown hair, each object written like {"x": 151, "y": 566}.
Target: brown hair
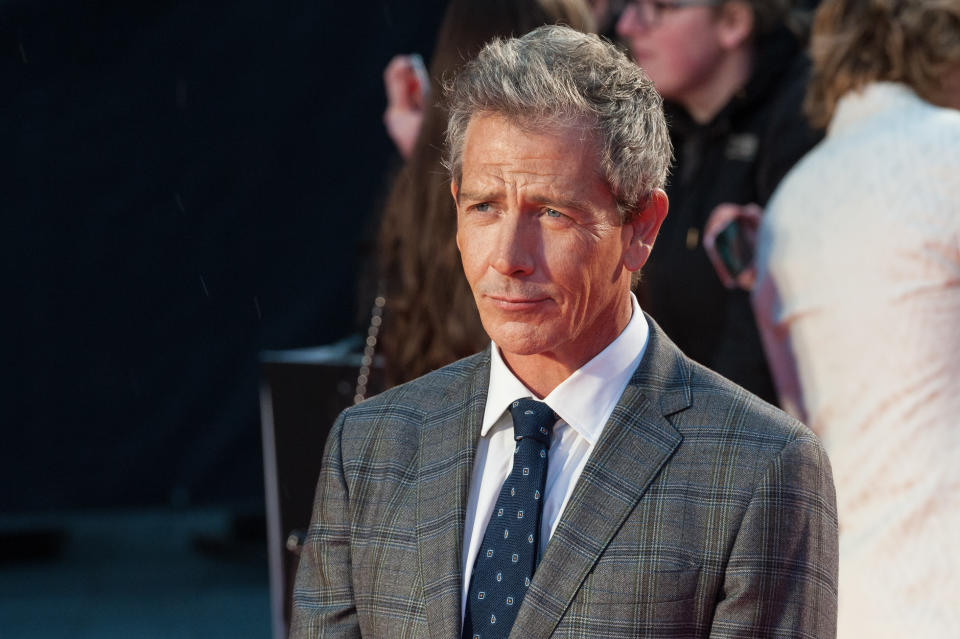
{"x": 856, "y": 42}
{"x": 431, "y": 318}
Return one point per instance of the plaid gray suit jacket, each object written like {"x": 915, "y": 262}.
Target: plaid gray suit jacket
{"x": 702, "y": 512}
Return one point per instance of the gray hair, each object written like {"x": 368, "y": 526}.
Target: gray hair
{"x": 556, "y": 76}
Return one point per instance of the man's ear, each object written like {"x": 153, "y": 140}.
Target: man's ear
{"x": 642, "y": 230}
{"x": 735, "y": 23}
{"x": 454, "y": 191}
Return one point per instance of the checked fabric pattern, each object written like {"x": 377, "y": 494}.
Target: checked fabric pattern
{"x": 722, "y": 507}
{"x": 508, "y": 555}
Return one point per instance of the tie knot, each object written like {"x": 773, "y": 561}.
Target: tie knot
{"x": 532, "y": 419}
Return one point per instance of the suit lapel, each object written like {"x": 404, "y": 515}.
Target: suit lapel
{"x": 448, "y": 445}
{"x": 636, "y": 442}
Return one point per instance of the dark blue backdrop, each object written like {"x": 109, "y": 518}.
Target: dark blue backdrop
{"x": 183, "y": 184}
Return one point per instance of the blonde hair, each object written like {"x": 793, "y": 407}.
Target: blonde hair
{"x": 856, "y": 42}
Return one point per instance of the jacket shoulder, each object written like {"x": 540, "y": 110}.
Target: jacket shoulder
{"x": 416, "y": 397}
{"x": 386, "y": 428}
{"x": 724, "y": 411}
{"x": 707, "y": 409}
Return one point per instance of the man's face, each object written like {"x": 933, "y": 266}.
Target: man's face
{"x": 542, "y": 247}
{"x": 679, "y": 51}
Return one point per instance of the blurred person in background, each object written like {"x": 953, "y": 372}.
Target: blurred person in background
{"x": 431, "y": 319}
{"x": 858, "y": 299}
{"x": 605, "y": 14}
{"x": 733, "y": 75}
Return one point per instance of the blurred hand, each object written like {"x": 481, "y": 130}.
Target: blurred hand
{"x": 747, "y": 217}
{"x": 406, "y": 84}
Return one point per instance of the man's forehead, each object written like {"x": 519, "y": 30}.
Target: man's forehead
{"x": 554, "y": 124}
{"x": 497, "y": 148}
{"x": 494, "y": 172}
{"x": 545, "y": 168}
{"x": 492, "y": 181}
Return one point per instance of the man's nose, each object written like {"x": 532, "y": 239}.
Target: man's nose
{"x": 516, "y": 245}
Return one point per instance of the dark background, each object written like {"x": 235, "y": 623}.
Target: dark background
{"x": 184, "y": 184}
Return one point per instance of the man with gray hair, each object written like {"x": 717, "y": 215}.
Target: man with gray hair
{"x": 581, "y": 477}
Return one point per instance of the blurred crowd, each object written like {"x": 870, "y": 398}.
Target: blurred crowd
{"x": 811, "y": 252}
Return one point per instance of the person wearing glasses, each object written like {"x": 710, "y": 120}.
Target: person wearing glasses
{"x": 732, "y": 74}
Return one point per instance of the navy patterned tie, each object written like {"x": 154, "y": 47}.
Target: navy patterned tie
{"x": 508, "y": 554}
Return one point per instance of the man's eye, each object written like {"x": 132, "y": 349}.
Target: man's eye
{"x": 553, "y": 213}
{"x": 482, "y": 207}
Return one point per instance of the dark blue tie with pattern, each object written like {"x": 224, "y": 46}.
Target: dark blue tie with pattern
{"x": 508, "y": 554}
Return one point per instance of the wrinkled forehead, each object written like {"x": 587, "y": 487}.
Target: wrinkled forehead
{"x": 557, "y": 164}
{"x": 583, "y": 129}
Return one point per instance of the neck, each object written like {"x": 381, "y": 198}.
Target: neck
{"x": 540, "y": 373}
{"x": 543, "y": 372}
{"x": 731, "y": 74}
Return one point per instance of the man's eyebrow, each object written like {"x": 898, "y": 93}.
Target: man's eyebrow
{"x": 478, "y": 196}
{"x": 561, "y": 201}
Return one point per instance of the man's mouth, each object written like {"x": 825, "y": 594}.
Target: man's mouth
{"x": 517, "y": 302}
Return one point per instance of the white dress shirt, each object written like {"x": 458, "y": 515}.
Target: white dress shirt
{"x": 584, "y": 402}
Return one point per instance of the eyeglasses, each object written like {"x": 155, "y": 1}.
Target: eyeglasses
{"x": 650, "y": 12}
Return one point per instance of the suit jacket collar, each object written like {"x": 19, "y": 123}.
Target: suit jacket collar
{"x": 636, "y": 442}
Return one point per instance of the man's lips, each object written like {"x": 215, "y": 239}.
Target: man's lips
{"x": 517, "y": 302}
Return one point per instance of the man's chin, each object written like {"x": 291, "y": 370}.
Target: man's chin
{"x": 522, "y": 340}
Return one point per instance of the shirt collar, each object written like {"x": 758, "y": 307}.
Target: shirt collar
{"x": 586, "y": 399}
